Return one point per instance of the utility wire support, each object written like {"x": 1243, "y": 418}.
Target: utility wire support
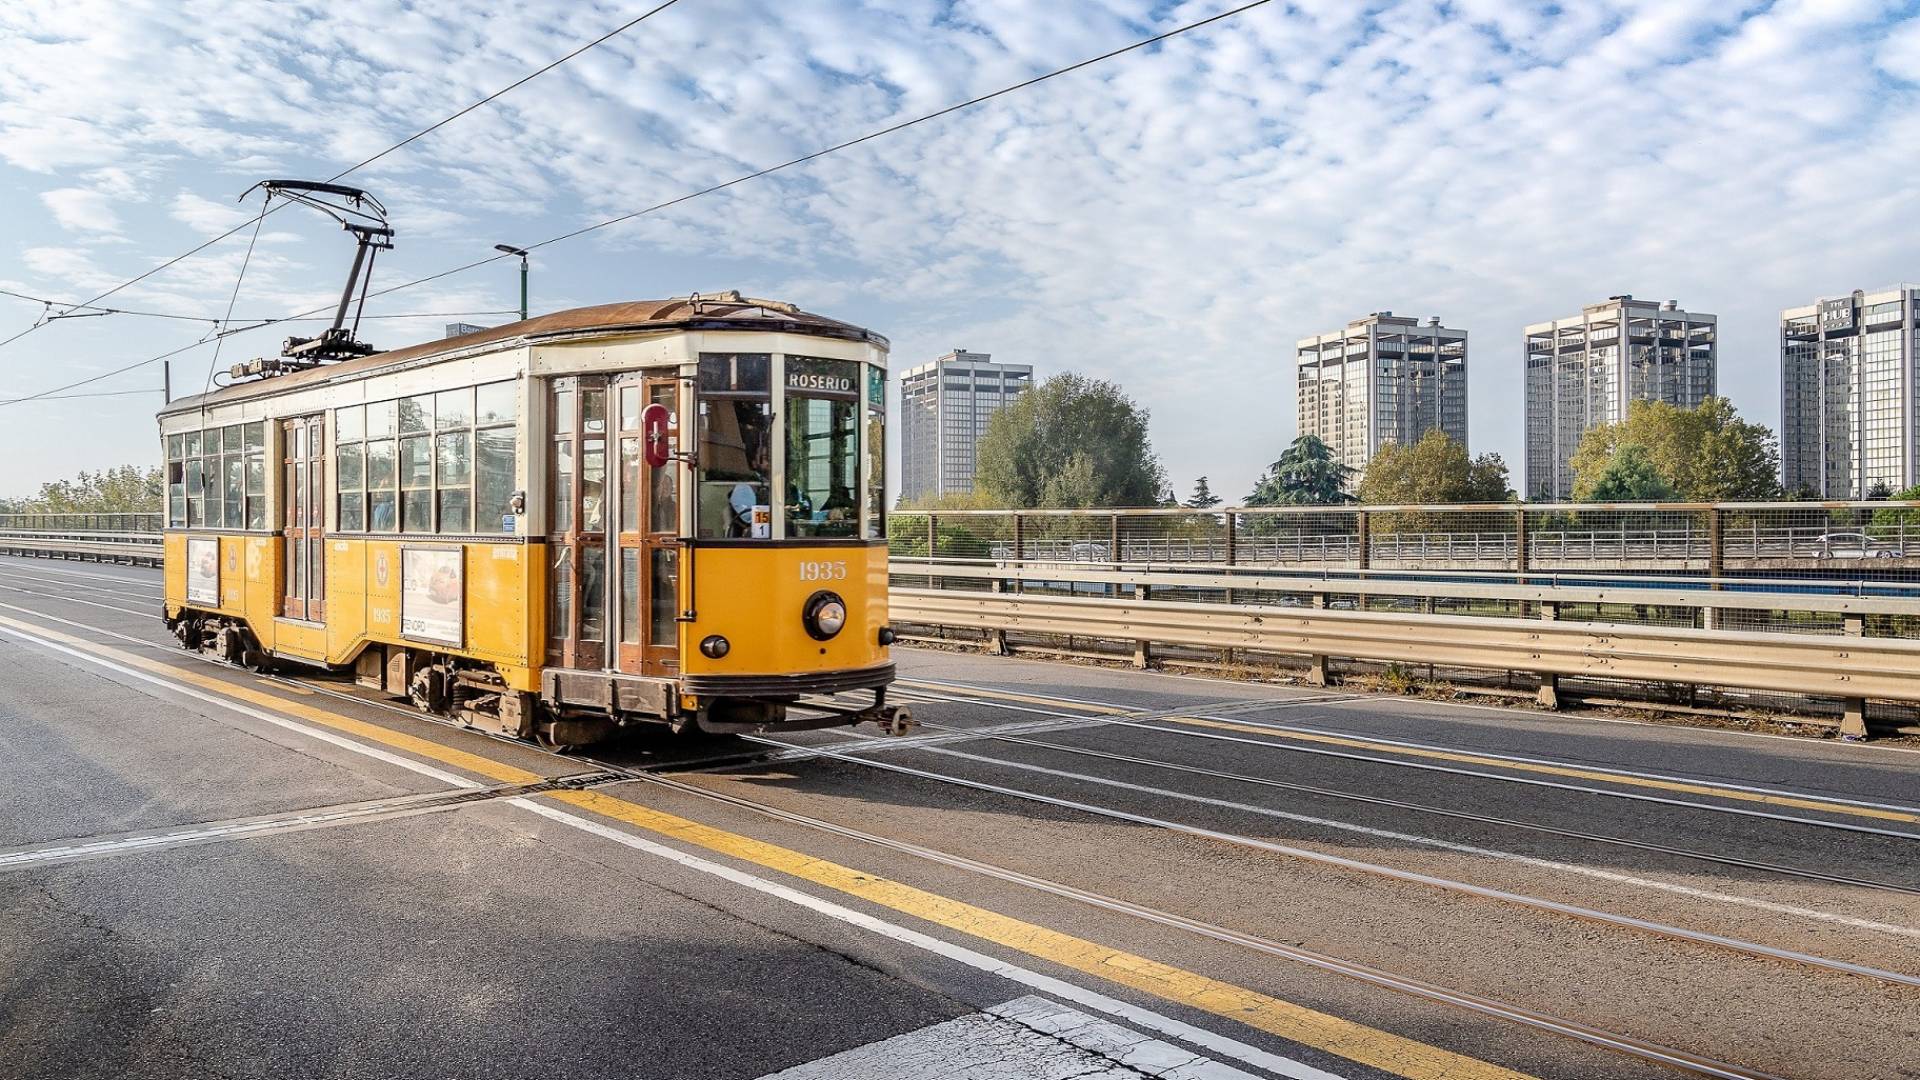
{"x": 677, "y": 200}
{"x": 510, "y": 87}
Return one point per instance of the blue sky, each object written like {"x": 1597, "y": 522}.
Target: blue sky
{"x": 1172, "y": 220}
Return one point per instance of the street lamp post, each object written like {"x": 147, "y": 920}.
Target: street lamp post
{"x": 522, "y": 252}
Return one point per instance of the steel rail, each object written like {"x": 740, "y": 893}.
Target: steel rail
{"x": 1487, "y": 1006}
{"x": 1141, "y": 721}
{"x": 1624, "y": 922}
{"x": 613, "y": 773}
{"x": 1484, "y": 819}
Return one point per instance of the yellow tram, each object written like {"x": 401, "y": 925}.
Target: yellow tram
{"x": 668, "y": 511}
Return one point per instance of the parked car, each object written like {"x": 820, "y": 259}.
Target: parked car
{"x": 1855, "y": 545}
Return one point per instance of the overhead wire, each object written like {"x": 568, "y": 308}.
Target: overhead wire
{"x": 714, "y": 188}
{"x": 176, "y": 316}
{"x": 437, "y": 125}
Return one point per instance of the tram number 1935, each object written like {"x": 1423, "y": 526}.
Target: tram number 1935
{"x": 823, "y": 570}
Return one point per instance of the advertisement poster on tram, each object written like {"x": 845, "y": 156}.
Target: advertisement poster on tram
{"x": 203, "y": 570}
{"x": 432, "y": 591}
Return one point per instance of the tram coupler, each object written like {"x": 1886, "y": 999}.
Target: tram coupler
{"x": 894, "y": 719}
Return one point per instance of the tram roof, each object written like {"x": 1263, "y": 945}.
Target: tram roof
{"x": 700, "y": 311}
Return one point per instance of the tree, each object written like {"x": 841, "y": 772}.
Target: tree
{"x": 1069, "y": 442}
{"x": 1630, "y": 476}
{"x": 1434, "y": 470}
{"x": 1705, "y": 454}
{"x": 1305, "y": 475}
{"x": 124, "y": 489}
{"x": 1203, "y": 496}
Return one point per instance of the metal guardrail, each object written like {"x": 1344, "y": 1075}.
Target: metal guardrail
{"x": 136, "y": 548}
{"x": 1845, "y": 667}
{"x": 1813, "y": 600}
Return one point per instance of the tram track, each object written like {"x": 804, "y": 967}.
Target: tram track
{"x": 1438, "y": 811}
{"x": 1147, "y": 721}
{"x": 610, "y": 774}
{"x": 1521, "y": 900}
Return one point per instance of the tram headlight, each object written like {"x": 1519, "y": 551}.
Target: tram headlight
{"x": 824, "y": 615}
{"x": 713, "y": 646}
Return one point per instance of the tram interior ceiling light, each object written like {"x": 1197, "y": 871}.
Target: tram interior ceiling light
{"x": 824, "y": 615}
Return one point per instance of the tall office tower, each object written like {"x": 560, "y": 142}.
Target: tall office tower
{"x": 1583, "y": 370}
{"x": 1850, "y": 393}
{"x": 1384, "y": 379}
{"x": 944, "y": 409}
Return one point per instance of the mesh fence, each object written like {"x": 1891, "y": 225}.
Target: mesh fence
{"x": 82, "y": 523}
{"x": 1795, "y": 550}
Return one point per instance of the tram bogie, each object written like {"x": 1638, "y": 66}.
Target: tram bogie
{"x": 663, "y": 512}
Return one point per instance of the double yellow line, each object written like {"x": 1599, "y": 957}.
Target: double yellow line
{"x": 1308, "y": 1027}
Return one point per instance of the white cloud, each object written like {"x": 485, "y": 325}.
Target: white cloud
{"x": 1173, "y": 220}
{"x": 82, "y": 210}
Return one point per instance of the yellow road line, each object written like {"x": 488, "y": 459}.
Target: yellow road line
{"x": 1556, "y": 770}
{"x": 1603, "y": 775}
{"x": 1308, "y": 1027}
{"x": 1355, "y": 1042}
{"x": 412, "y": 744}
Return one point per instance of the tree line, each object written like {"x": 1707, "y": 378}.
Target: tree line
{"x": 123, "y": 489}
{"x": 1077, "y": 442}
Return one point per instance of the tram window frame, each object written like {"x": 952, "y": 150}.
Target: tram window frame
{"x": 442, "y": 463}
{"x": 824, "y": 420}
{"x": 216, "y": 478}
{"x": 874, "y": 525}
{"x": 733, "y": 380}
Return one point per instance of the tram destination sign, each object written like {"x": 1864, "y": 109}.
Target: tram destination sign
{"x": 822, "y": 378}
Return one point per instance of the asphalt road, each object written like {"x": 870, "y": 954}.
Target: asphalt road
{"x": 1066, "y": 871}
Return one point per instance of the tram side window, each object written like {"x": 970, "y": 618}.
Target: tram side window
{"x": 736, "y": 446}
{"x": 823, "y": 447}
{"x": 176, "y": 481}
{"x": 876, "y": 452}
{"x": 216, "y": 478}
{"x": 430, "y": 463}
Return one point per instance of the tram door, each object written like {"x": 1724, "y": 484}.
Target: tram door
{"x": 648, "y": 544}
{"x": 303, "y": 486}
{"x": 577, "y": 523}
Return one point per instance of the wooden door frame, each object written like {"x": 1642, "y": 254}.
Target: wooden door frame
{"x": 567, "y": 648}
{"x": 645, "y": 656}
{"x": 303, "y": 515}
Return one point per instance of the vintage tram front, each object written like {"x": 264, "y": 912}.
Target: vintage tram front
{"x": 666, "y": 511}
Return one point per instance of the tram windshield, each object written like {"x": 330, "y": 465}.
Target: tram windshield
{"x": 812, "y": 469}
{"x": 823, "y": 448}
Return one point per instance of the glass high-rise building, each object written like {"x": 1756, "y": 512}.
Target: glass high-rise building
{"x": 1850, "y": 393}
{"x": 1582, "y": 371}
{"x": 944, "y": 409}
{"x": 1384, "y": 379}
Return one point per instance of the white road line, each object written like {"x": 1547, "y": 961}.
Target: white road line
{"x": 244, "y": 710}
{"x": 1046, "y": 984}
{"x": 1394, "y": 873}
{"x": 1451, "y": 770}
{"x": 1278, "y": 727}
{"x": 76, "y": 600}
{"x": 292, "y": 821}
{"x": 1165, "y": 1025}
{"x": 134, "y": 582}
{"x": 1023, "y": 1039}
{"x": 1447, "y": 845}
{"x": 1240, "y": 718}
